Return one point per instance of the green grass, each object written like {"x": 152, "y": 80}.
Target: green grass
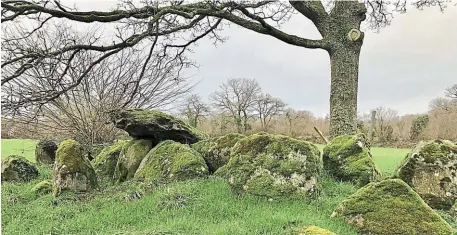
{"x": 205, "y": 206}
{"x": 25, "y": 148}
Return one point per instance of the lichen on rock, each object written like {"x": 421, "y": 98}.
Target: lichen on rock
{"x": 273, "y": 166}
{"x": 348, "y": 158}
{"x": 72, "y": 171}
{"x": 155, "y": 125}
{"x": 130, "y": 157}
{"x": 431, "y": 170}
{"x": 170, "y": 161}
{"x": 106, "y": 160}
{"x": 45, "y": 152}
{"x": 216, "y": 151}
{"x": 17, "y": 168}
{"x": 391, "y": 207}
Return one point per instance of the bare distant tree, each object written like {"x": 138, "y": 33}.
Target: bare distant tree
{"x": 238, "y": 98}
{"x": 294, "y": 117}
{"x": 384, "y": 118}
{"x": 268, "y": 107}
{"x": 194, "y": 109}
{"x": 451, "y": 92}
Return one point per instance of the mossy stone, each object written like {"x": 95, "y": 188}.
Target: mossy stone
{"x": 273, "y": 166}
{"x": 17, "y": 168}
{"x": 106, "y": 160}
{"x": 45, "y": 152}
{"x": 170, "y": 161}
{"x": 431, "y": 170}
{"x": 314, "y": 230}
{"x": 44, "y": 187}
{"x": 391, "y": 207}
{"x": 130, "y": 157}
{"x": 72, "y": 171}
{"x": 348, "y": 158}
{"x": 216, "y": 151}
{"x": 155, "y": 125}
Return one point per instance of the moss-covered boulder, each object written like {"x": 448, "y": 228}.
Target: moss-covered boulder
{"x": 273, "y": 166}
{"x": 44, "y": 187}
{"x": 105, "y": 162}
{"x": 391, "y": 207}
{"x": 155, "y": 125}
{"x": 431, "y": 170}
{"x": 348, "y": 158}
{"x": 171, "y": 160}
{"x": 130, "y": 157}
{"x": 45, "y": 152}
{"x": 16, "y": 168}
{"x": 216, "y": 151}
{"x": 314, "y": 230}
{"x": 72, "y": 171}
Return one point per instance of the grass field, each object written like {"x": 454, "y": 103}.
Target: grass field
{"x": 205, "y": 206}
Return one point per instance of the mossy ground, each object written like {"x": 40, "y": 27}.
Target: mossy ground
{"x": 205, "y": 206}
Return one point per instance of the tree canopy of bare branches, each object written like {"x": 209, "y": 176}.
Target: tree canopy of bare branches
{"x": 238, "y": 98}
{"x": 268, "y": 107}
{"x": 174, "y": 26}
{"x": 193, "y": 108}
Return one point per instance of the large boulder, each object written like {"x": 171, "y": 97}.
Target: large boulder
{"x": 16, "y": 168}
{"x": 348, "y": 158}
{"x": 391, "y": 207}
{"x": 273, "y": 166}
{"x": 105, "y": 162}
{"x": 171, "y": 160}
{"x": 45, "y": 152}
{"x": 155, "y": 125}
{"x": 130, "y": 157}
{"x": 216, "y": 151}
{"x": 431, "y": 170}
{"x": 72, "y": 171}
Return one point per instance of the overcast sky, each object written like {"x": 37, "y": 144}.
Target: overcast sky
{"x": 402, "y": 67}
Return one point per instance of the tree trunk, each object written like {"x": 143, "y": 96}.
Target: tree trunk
{"x": 343, "y": 93}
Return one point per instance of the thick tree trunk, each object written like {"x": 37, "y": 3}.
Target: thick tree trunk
{"x": 343, "y": 94}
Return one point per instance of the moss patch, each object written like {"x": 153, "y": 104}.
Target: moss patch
{"x": 431, "y": 169}
{"x": 72, "y": 171}
{"x": 216, "y": 151}
{"x": 314, "y": 230}
{"x": 273, "y": 166}
{"x": 347, "y": 158}
{"x": 171, "y": 161}
{"x": 43, "y": 187}
{"x": 391, "y": 207}
{"x": 130, "y": 157}
{"x": 105, "y": 162}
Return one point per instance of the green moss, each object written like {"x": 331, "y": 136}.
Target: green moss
{"x": 216, "y": 151}
{"x": 391, "y": 207}
{"x": 314, "y": 230}
{"x": 72, "y": 171}
{"x": 43, "y": 187}
{"x": 130, "y": 157}
{"x": 105, "y": 162}
{"x": 348, "y": 158}
{"x": 273, "y": 166}
{"x": 171, "y": 160}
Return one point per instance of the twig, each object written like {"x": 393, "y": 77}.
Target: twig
{"x": 321, "y": 135}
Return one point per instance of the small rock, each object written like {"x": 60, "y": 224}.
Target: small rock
{"x": 16, "y": 168}
{"x": 45, "y": 152}
{"x": 44, "y": 187}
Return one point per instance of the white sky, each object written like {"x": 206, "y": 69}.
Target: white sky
{"x": 403, "y": 67}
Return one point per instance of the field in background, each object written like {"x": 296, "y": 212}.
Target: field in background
{"x": 25, "y": 148}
